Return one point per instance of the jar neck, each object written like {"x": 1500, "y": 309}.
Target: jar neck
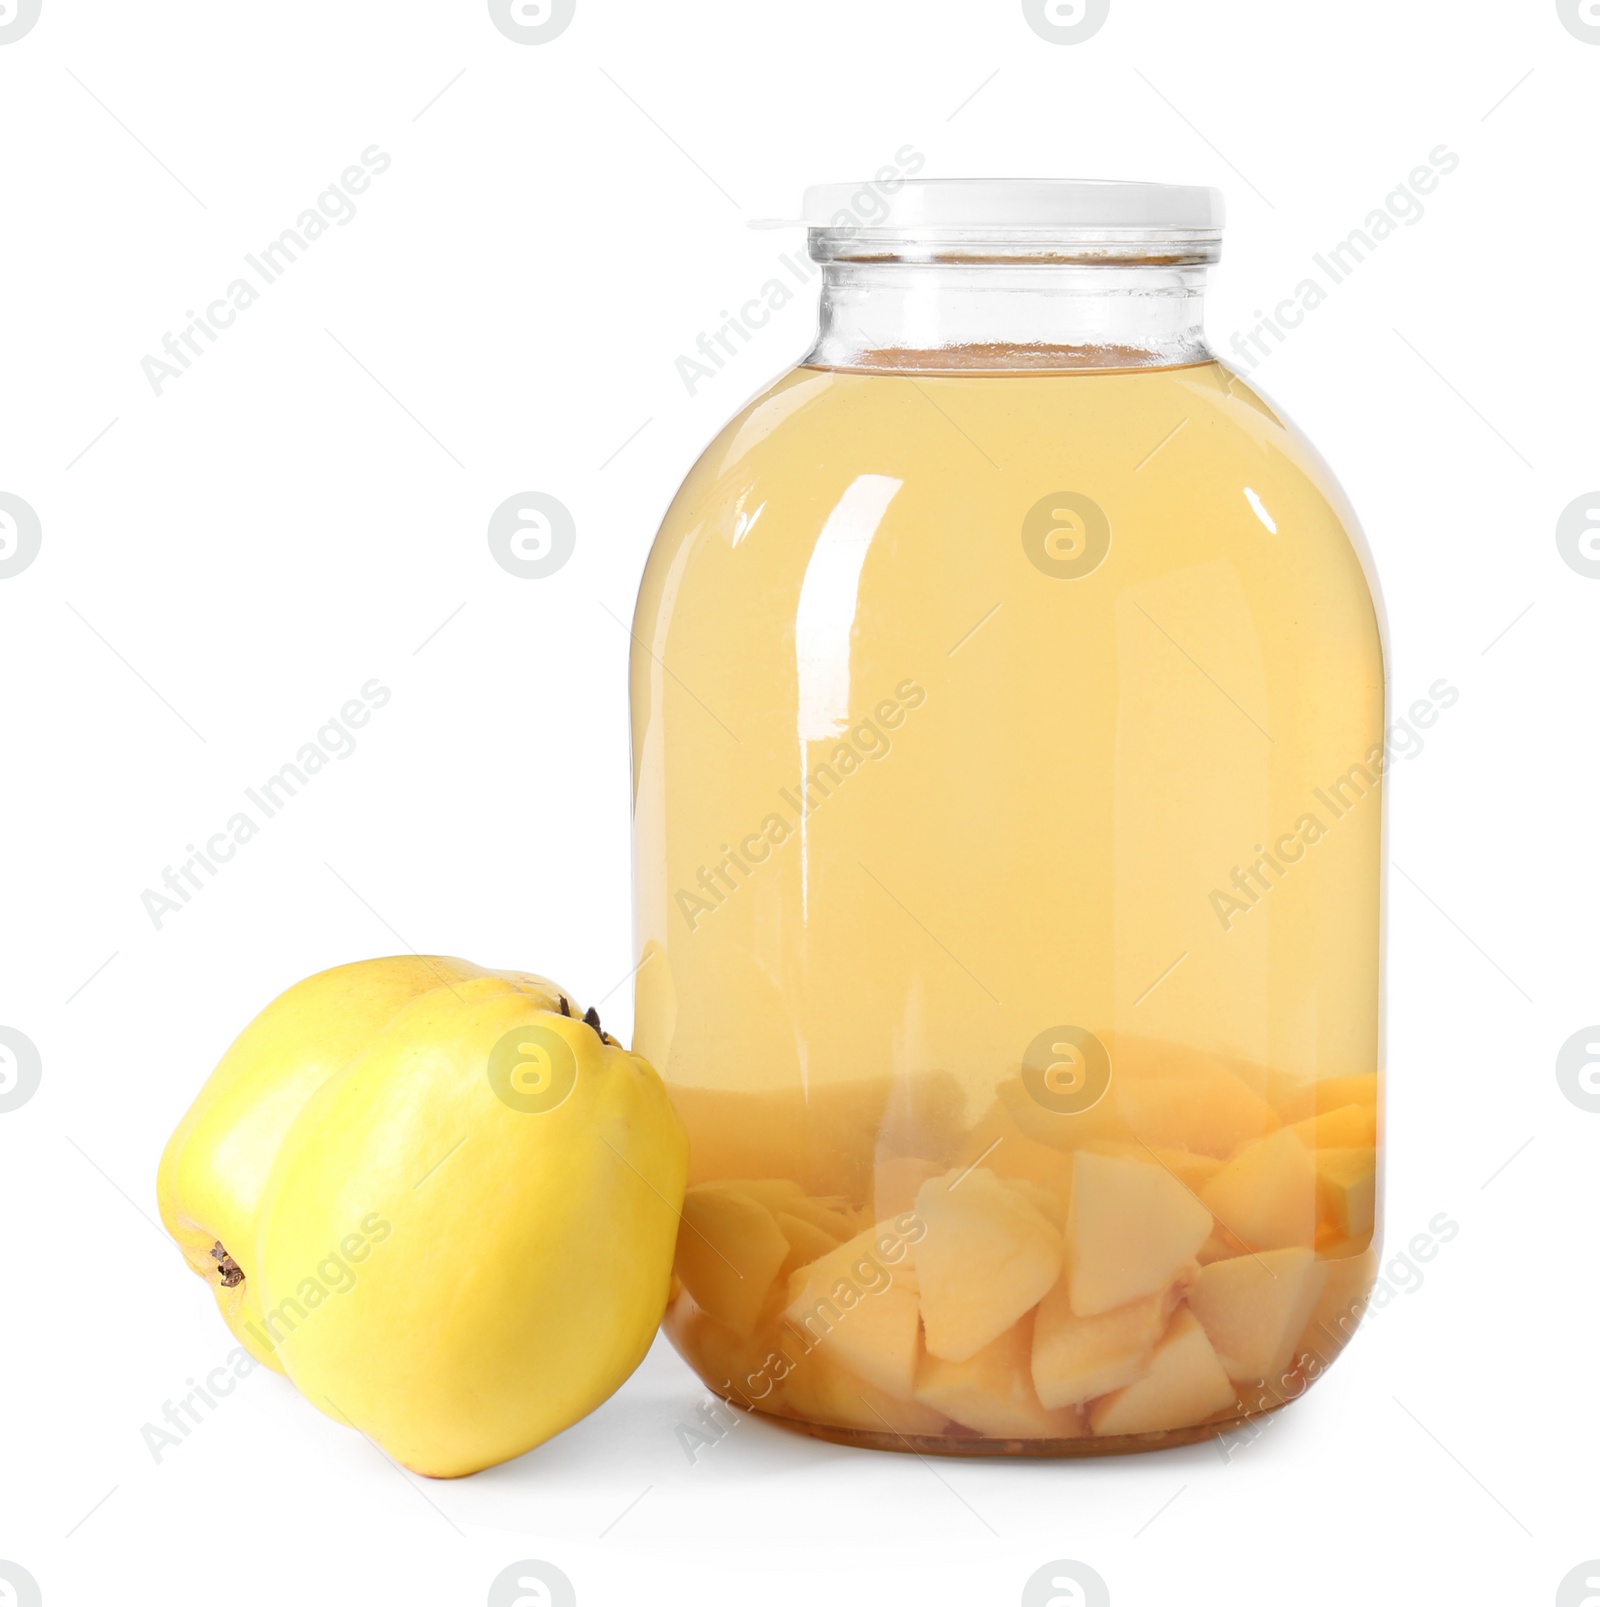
{"x": 940, "y": 317}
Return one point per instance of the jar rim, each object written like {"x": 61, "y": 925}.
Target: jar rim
{"x": 1014, "y": 248}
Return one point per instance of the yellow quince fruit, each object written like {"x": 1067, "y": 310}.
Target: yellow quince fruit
{"x": 437, "y": 1198}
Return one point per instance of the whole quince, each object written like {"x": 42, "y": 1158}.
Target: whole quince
{"x": 438, "y": 1198}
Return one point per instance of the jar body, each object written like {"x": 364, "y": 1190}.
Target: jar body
{"x": 1008, "y": 752}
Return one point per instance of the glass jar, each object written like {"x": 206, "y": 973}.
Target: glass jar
{"x": 1008, "y": 713}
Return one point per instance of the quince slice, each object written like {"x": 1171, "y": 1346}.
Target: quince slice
{"x": 1131, "y": 1229}
{"x": 1185, "y": 1384}
{"x": 730, "y": 1250}
{"x": 1347, "y": 1184}
{"x": 987, "y": 1255}
{"x": 1078, "y": 1358}
{"x": 1254, "y": 1309}
{"x": 859, "y": 1306}
{"x": 1266, "y": 1196}
{"x": 992, "y": 1392}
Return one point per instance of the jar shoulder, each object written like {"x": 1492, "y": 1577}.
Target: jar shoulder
{"x": 1186, "y": 466}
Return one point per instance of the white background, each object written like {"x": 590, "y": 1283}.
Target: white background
{"x": 306, "y": 509}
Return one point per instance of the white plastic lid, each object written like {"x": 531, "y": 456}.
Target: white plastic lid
{"x": 1090, "y": 204}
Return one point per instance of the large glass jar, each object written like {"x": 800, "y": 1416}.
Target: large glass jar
{"x": 1008, "y": 713}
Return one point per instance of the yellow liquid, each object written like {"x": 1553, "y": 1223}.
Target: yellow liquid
{"x": 969, "y": 707}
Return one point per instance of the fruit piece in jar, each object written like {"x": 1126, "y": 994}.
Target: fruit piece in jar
{"x": 807, "y": 1242}
{"x": 730, "y": 1249}
{"x": 1348, "y": 1127}
{"x": 1185, "y": 1385}
{"x": 1219, "y": 1247}
{"x": 1213, "y": 1113}
{"x": 731, "y": 1365}
{"x": 1329, "y": 1093}
{"x": 992, "y": 1392}
{"x": 822, "y": 1391}
{"x": 858, "y": 1305}
{"x": 1254, "y": 1308}
{"x": 1131, "y": 1228}
{"x": 1077, "y": 1358}
{"x": 1293, "y": 1096}
{"x": 1347, "y": 1190}
{"x": 987, "y": 1255}
{"x": 1266, "y": 1196}
{"x": 831, "y": 1213}
{"x": 1347, "y": 1287}
{"x": 1194, "y": 1171}
{"x": 1297, "y": 1098}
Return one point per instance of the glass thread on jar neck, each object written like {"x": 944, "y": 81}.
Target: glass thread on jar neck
{"x": 949, "y": 301}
